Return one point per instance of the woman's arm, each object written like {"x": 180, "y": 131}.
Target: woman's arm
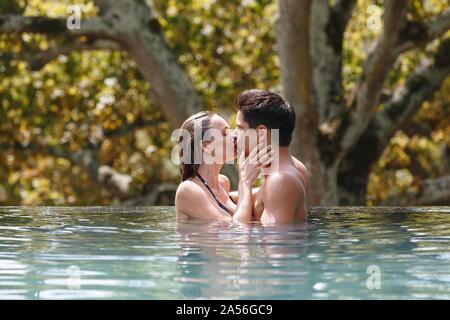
{"x": 249, "y": 169}
{"x": 245, "y": 205}
{"x": 235, "y": 195}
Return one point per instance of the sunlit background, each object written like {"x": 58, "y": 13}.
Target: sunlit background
{"x": 96, "y": 103}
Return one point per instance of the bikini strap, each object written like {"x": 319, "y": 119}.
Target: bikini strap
{"x": 217, "y": 200}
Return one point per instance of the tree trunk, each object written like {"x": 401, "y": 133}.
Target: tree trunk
{"x": 295, "y": 62}
{"x": 310, "y": 50}
{"x": 339, "y": 140}
{"x": 354, "y": 169}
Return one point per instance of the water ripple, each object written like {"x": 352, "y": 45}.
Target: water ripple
{"x": 142, "y": 253}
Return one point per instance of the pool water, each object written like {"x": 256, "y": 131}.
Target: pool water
{"x": 143, "y": 253}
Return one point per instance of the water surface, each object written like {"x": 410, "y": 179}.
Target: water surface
{"x": 142, "y": 253}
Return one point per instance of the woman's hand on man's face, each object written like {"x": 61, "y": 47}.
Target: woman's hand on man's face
{"x": 260, "y": 156}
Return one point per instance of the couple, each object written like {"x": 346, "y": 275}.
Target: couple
{"x": 204, "y": 193}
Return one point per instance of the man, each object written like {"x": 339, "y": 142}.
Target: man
{"x": 282, "y": 196}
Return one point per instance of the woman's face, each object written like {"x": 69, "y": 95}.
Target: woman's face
{"x": 220, "y": 144}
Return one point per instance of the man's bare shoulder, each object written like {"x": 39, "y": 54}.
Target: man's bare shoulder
{"x": 301, "y": 168}
{"x": 284, "y": 181}
{"x": 225, "y": 182}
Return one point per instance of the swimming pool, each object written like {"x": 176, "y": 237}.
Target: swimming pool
{"x": 141, "y": 253}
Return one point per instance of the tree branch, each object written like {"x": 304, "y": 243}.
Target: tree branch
{"x": 109, "y": 178}
{"x": 171, "y": 89}
{"x": 328, "y": 26}
{"x": 420, "y": 33}
{"x": 415, "y": 166}
{"x": 134, "y": 26}
{"x": 38, "y": 148}
{"x": 103, "y": 5}
{"x": 344, "y": 9}
{"x": 96, "y": 27}
{"x": 36, "y": 60}
{"x": 129, "y": 127}
{"x": 374, "y": 73}
{"x": 86, "y": 157}
{"x": 407, "y": 99}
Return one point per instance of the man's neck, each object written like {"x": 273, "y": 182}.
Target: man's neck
{"x": 284, "y": 154}
{"x": 283, "y": 157}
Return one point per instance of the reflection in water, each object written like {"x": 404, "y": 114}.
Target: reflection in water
{"x": 246, "y": 261}
{"x": 142, "y": 253}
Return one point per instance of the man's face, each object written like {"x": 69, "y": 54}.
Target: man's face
{"x": 241, "y": 127}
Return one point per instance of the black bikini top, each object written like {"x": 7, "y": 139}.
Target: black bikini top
{"x": 218, "y": 202}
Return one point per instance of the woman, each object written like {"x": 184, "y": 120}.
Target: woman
{"x": 206, "y": 144}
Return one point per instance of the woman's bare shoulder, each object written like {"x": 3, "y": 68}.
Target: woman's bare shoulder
{"x": 191, "y": 201}
{"x": 188, "y": 195}
{"x": 188, "y": 188}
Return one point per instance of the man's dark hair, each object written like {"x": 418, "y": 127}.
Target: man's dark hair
{"x": 264, "y": 107}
